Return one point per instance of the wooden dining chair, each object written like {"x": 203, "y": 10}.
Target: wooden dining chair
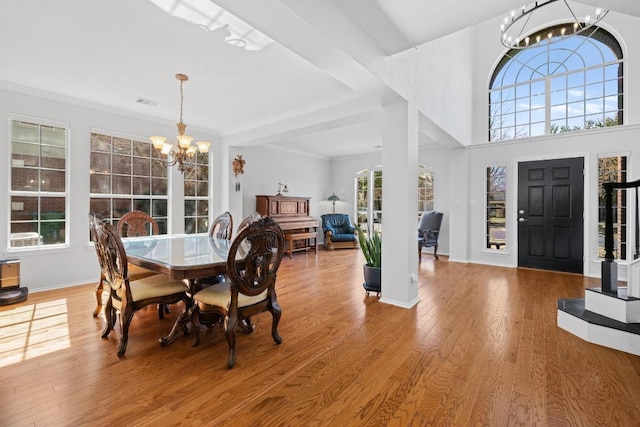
{"x": 252, "y": 264}
{"x": 221, "y": 229}
{"x": 253, "y": 217}
{"x": 127, "y": 296}
{"x": 222, "y": 226}
{"x": 137, "y": 223}
{"x": 133, "y": 224}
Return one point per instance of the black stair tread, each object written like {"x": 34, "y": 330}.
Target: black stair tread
{"x": 621, "y": 294}
{"x": 575, "y": 307}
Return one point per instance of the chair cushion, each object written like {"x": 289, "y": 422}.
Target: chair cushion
{"x": 157, "y": 285}
{"x": 220, "y": 296}
{"x": 347, "y": 237}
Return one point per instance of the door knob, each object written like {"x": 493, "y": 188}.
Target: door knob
{"x": 522, "y": 219}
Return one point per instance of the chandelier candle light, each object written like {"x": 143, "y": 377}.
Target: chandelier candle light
{"x": 517, "y": 28}
{"x": 184, "y": 153}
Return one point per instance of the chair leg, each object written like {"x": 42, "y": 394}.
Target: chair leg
{"x": 419, "y": 253}
{"x": 195, "y": 321}
{"x": 435, "y": 251}
{"x": 99, "y": 291}
{"x": 276, "y": 312}
{"x": 230, "y": 323}
{"x": 125, "y": 321}
{"x": 110, "y": 316}
{"x": 162, "y": 309}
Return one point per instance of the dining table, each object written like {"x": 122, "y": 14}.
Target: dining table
{"x": 181, "y": 257}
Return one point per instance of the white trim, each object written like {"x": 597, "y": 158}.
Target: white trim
{"x": 597, "y": 334}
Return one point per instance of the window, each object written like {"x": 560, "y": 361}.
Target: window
{"x": 38, "y": 184}
{"x": 196, "y": 196}
{"x": 613, "y": 169}
{"x": 496, "y": 208}
{"x": 362, "y": 198}
{"x": 366, "y": 209}
{"x": 377, "y": 200}
{"x": 569, "y": 85}
{"x": 127, "y": 175}
{"x": 425, "y": 190}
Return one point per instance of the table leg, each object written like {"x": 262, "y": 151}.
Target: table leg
{"x": 182, "y": 320}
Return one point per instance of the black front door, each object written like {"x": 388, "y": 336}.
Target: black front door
{"x": 550, "y": 214}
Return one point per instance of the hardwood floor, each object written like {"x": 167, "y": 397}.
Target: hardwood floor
{"x": 481, "y": 348}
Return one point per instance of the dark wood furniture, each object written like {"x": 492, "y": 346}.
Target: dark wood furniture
{"x": 186, "y": 257}
{"x": 297, "y": 241}
{"x": 134, "y": 223}
{"x": 127, "y": 296}
{"x": 222, "y": 226}
{"x": 251, "y": 286}
{"x": 292, "y": 215}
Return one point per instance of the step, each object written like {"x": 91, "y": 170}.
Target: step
{"x": 596, "y": 328}
{"x": 619, "y": 306}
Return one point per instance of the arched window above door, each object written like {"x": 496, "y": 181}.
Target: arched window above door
{"x": 564, "y": 86}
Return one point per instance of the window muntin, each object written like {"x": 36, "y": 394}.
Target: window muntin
{"x": 568, "y": 85}
{"x": 496, "y": 209}
{"x": 196, "y": 196}
{"x": 362, "y": 198}
{"x": 38, "y": 192}
{"x": 366, "y": 209}
{"x": 377, "y": 200}
{"x": 613, "y": 169}
{"x": 126, "y": 175}
{"x": 425, "y": 191}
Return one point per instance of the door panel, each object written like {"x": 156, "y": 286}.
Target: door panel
{"x": 550, "y": 214}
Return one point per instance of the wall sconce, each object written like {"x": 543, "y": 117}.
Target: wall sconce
{"x": 282, "y": 188}
{"x": 333, "y": 199}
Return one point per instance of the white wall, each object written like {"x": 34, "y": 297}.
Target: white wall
{"x": 345, "y": 169}
{"x": 76, "y": 264}
{"x": 622, "y": 140}
{"x": 305, "y": 176}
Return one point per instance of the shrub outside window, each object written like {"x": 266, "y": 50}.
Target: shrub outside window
{"x": 496, "y": 217}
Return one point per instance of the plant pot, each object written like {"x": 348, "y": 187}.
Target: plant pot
{"x": 372, "y": 278}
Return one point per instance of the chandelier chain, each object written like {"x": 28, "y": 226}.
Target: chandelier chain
{"x": 181, "y": 99}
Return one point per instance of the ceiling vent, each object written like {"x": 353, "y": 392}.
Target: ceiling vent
{"x": 144, "y": 101}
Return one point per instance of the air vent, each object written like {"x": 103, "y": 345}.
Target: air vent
{"x": 147, "y": 102}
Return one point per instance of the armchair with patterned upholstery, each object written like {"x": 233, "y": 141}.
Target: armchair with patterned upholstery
{"x": 339, "y": 231}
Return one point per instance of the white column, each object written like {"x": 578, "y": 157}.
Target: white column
{"x": 400, "y": 204}
{"x": 175, "y": 209}
{"x": 458, "y": 211}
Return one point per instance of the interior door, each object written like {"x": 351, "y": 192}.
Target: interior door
{"x": 550, "y": 214}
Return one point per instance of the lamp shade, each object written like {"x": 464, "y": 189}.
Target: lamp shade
{"x": 333, "y": 198}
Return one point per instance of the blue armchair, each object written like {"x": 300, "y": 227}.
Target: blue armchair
{"x": 338, "y": 231}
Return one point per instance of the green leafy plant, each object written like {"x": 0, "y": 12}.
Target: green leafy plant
{"x": 371, "y": 245}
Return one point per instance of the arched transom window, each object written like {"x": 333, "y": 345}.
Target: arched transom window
{"x": 564, "y": 86}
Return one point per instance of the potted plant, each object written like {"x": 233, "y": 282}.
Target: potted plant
{"x": 371, "y": 245}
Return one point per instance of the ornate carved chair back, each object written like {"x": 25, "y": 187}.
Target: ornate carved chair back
{"x": 252, "y": 264}
{"x": 137, "y": 223}
{"x": 222, "y": 226}
{"x": 248, "y": 220}
{"x": 261, "y": 247}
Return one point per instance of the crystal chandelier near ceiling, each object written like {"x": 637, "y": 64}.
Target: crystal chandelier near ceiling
{"x": 521, "y": 29}
{"x": 183, "y": 154}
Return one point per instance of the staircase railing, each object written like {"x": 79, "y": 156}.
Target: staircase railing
{"x": 609, "y": 268}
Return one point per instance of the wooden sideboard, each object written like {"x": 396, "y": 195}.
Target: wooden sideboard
{"x": 293, "y": 216}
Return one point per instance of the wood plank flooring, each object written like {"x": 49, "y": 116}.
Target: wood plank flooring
{"x": 481, "y": 348}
